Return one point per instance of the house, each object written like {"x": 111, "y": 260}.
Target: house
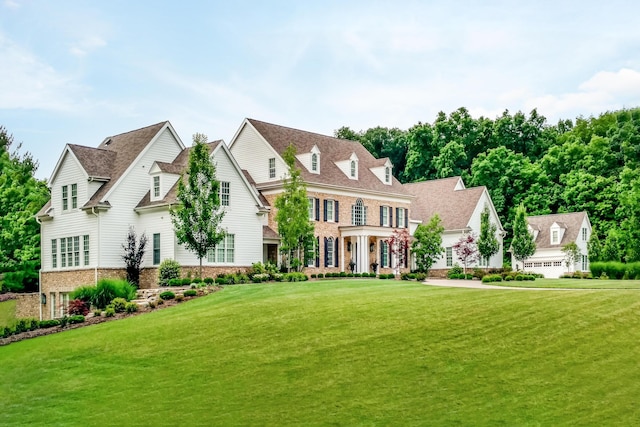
{"x": 355, "y": 202}
{"x": 551, "y": 233}
{"x": 130, "y": 180}
{"x": 459, "y": 209}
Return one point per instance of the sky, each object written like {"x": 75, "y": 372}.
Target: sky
{"x": 76, "y": 71}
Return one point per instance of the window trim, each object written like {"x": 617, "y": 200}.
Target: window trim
{"x": 272, "y": 168}
{"x": 86, "y": 248}
{"x": 156, "y": 248}
{"x": 74, "y": 196}
{"x": 387, "y": 174}
{"x": 54, "y": 253}
{"x": 65, "y": 197}
{"x": 449, "y": 256}
{"x": 314, "y": 162}
{"x": 353, "y": 169}
{"x": 156, "y": 187}
{"x": 225, "y": 193}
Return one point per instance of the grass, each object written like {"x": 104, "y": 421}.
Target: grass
{"x": 572, "y": 284}
{"x": 7, "y": 313}
{"x": 366, "y": 352}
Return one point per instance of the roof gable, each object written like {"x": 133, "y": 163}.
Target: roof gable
{"x": 571, "y": 223}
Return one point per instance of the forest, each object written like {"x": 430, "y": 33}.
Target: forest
{"x": 590, "y": 164}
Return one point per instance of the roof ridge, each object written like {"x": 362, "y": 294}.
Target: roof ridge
{"x": 137, "y": 130}
{"x": 302, "y": 130}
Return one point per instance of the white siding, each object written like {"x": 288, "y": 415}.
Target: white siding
{"x": 253, "y": 153}
{"x": 241, "y": 218}
{"x": 157, "y": 221}
{"x": 127, "y": 194}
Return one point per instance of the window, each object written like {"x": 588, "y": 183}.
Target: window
{"x": 54, "y": 253}
{"x": 387, "y": 174}
{"x": 64, "y": 303}
{"x": 65, "y": 197}
{"x": 74, "y": 196}
{"x": 358, "y": 213}
{"x": 384, "y": 254}
{"x": 557, "y": 263}
{"x": 76, "y": 250}
{"x": 584, "y": 234}
{"x": 314, "y": 162}
{"x": 312, "y": 209}
{"x": 69, "y": 251}
{"x": 85, "y": 247}
{"x": 224, "y": 193}
{"x": 384, "y": 216}
{"x": 449, "y": 253}
{"x": 52, "y": 302}
{"x": 224, "y": 251}
{"x": 63, "y": 252}
{"x": 272, "y": 167}
{"x": 547, "y": 264}
{"x": 353, "y": 169}
{"x": 554, "y": 237}
{"x": 156, "y": 186}
{"x": 400, "y": 217}
{"x": 313, "y": 255}
{"x": 330, "y": 208}
{"x": 330, "y": 249}
{"x": 156, "y": 249}
{"x": 483, "y": 262}
{"x": 585, "y": 261}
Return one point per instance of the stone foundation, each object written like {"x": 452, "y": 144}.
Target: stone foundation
{"x": 28, "y": 305}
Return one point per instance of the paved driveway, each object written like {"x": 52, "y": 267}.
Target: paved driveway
{"x": 477, "y": 284}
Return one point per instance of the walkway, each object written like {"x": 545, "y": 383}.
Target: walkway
{"x": 477, "y": 284}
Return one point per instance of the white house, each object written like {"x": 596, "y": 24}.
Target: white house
{"x": 551, "y": 233}
{"x": 459, "y": 209}
{"x": 130, "y": 180}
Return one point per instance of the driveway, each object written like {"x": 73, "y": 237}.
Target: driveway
{"x": 477, "y": 284}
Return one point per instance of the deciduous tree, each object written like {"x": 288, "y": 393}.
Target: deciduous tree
{"x": 571, "y": 253}
{"x": 399, "y": 243}
{"x": 427, "y": 243}
{"x": 198, "y": 216}
{"x": 466, "y": 250}
{"x": 134, "y": 250}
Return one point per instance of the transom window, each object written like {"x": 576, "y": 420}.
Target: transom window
{"x": 224, "y": 193}
{"x": 272, "y": 167}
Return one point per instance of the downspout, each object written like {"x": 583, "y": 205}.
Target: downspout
{"x": 40, "y": 272}
{"x": 95, "y": 269}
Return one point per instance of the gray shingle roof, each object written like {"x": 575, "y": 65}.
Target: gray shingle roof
{"x": 572, "y": 223}
{"x": 98, "y": 163}
{"x": 331, "y": 150}
{"x": 454, "y": 207}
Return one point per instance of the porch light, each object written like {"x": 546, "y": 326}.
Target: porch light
{"x": 43, "y": 299}
{"x": 372, "y": 247}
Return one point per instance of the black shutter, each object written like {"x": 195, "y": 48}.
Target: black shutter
{"x": 382, "y": 255}
{"x": 406, "y": 256}
{"x": 325, "y": 209}
{"x": 390, "y": 216}
{"x": 381, "y": 209}
{"x": 397, "y": 217}
{"x": 335, "y": 250}
{"x": 326, "y": 254}
{"x": 316, "y": 252}
{"x": 406, "y": 218}
{"x": 317, "y": 209}
{"x": 336, "y": 209}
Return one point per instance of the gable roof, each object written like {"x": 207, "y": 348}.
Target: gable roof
{"x": 572, "y": 223}
{"x": 454, "y": 207}
{"x": 97, "y": 163}
{"x": 331, "y": 150}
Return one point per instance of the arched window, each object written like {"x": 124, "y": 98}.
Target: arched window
{"x": 353, "y": 169}
{"x": 314, "y": 162}
{"x": 358, "y": 213}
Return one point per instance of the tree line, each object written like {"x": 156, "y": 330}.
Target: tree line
{"x": 587, "y": 164}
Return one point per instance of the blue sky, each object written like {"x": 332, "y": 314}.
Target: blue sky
{"x": 77, "y": 71}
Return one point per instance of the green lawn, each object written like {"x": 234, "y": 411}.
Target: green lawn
{"x": 573, "y": 284}
{"x": 351, "y": 352}
{"x": 7, "y": 313}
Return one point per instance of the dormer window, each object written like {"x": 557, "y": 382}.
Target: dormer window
{"x": 156, "y": 187}
{"x": 387, "y": 174}
{"x": 554, "y": 237}
{"x": 354, "y": 169}
{"x": 314, "y": 162}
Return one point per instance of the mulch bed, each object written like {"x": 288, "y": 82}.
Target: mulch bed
{"x": 94, "y": 320}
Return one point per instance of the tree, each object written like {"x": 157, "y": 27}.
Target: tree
{"x": 399, "y": 244}
{"x": 488, "y": 244}
{"x": 133, "y": 255}
{"x": 427, "y": 243}
{"x": 522, "y": 244}
{"x": 197, "y": 218}
{"x": 21, "y": 196}
{"x": 294, "y": 227}
{"x": 594, "y": 246}
{"x": 571, "y": 253}
{"x": 466, "y": 250}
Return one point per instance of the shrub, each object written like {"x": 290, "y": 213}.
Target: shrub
{"x": 186, "y": 281}
{"x": 166, "y": 295}
{"x": 7, "y": 331}
{"x": 277, "y": 277}
{"x": 77, "y": 306}
{"x": 490, "y": 278}
{"x": 174, "y": 282}
{"x": 508, "y": 278}
{"x": 49, "y": 323}
{"x": 119, "y": 304}
{"x": 152, "y": 304}
{"x": 260, "y": 277}
{"x": 190, "y": 293}
{"x": 241, "y": 278}
{"x": 97, "y": 313}
{"x": 519, "y": 277}
{"x": 221, "y": 281}
{"x": 169, "y": 269}
{"x": 63, "y": 321}
{"x": 159, "y": 301}
{"x": 108, "y": 289}
{"x": 456, "y": 269}
{"x": 208, "y": 280}
{"x": 387, "y": 276}
{"x": 179, "y": 298}
{"x": 295, "y": 277}
{"x": 131, "y": 307}
{"x": 83, "y": 293}
{"x": 76, "y": 318}
{"x": 109, "y": 312}
{"x": 24, "y": 325}
{"x": 421, "y": 276}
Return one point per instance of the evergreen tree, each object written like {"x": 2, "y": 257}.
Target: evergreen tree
{"x": 133, "y": 255}
{"x": 197, "y": 218}
{"x": 488, "y": 244}
{"x": 522, "y": 245}
{"x": 427, "y": 243}
{"x": 294, "y": 227}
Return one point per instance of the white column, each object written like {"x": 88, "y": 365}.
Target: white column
{"x": 341, "y": 254}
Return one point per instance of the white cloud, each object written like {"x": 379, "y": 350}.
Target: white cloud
{"x": 87, "y": 45}
{"x": 11, "y": 4}
{"x": 26, "y": 82}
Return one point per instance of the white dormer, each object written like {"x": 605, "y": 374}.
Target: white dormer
{"x": 349, "y": 167}
{"x": 534, "y": 232}
{"x": 311, "y": 160}
{"x": 556, "y": 233}
{"x": 162, "y": 176}
{"x": 384, "y": 172}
